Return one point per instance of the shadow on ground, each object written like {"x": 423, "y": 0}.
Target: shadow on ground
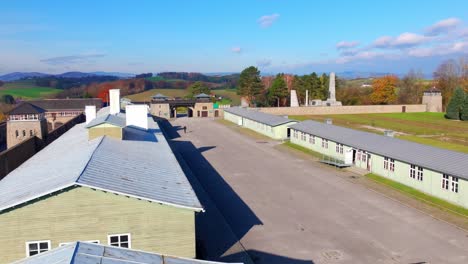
{"x": 215, "y": 241}
{"x": 263, "y": 257}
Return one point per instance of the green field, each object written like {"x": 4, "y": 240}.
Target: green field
{"x": 146, "y": 95}
{"x": 425, "y": 128}
{"x": 27, "y": 90}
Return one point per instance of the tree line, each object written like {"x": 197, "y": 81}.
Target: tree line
{"x": 258, "y": 93}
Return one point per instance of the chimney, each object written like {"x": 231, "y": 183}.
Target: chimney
{"x": 90, "y": 112}
{"x": 389, "y": 133}
{"x": 114, "y": 101}
{"x": 328, "y": 121}
{"x": 137, "y": 115}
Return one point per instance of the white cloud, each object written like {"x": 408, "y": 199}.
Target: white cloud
{"x": 346, "y": 44}
{"x": 383, "y": 42}
{"x": 236, "y": 49}
{"x": 268, "y": 20}
{"x": 73, "y": 59}
{"x": 443, "y": 26}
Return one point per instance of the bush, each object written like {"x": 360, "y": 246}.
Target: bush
{"x": 455, "y": 105}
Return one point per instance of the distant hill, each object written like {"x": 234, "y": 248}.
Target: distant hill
{"x": 21, "y": 75}
{"x": 14, "y": 76}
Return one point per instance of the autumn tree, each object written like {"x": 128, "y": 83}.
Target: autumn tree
{"x": 455, "y": 105}
{"x": 278, "y": 91}
{"x": 250, "y": 84}
{"x": 450, "y": 75}
{"x": 384, "y": 90}
{"x": 198, "y": 88}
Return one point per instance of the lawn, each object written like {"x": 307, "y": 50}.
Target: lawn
{"x": 425, "y": 128}
{"x": 425, "y": 198}
{"x": 146, "y": 95}
{"x": 27, "y": 90}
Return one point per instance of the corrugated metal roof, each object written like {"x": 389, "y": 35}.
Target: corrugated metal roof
{"x": 141, "y": 166}
{"x": 267, "y": 119}
{"x": 88, "y": 253}
{"x": 440, "y": 160}
{"x": 109, "y": 119}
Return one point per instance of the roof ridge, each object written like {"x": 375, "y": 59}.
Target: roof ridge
{"x": 90, "y": 158}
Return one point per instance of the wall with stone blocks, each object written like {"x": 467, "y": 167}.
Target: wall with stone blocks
{"x": 347, "y": 109}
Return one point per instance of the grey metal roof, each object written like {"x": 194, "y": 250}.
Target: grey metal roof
{"x": 26, "y": 108}
{"x": 267, "y": 119}
{"x": 109, "y": 119}
{"x": 88, "y": 253}
{"x": 142, "y": 165}
{"x": 161, "y": 96}
{"x": 202, "y": 95}
{"x": 437, "y": 159}
{"x": 77, "y": 104}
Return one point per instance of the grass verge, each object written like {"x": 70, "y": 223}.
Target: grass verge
{"x": 303, "y": 149}
{"x": 425, "y": 198}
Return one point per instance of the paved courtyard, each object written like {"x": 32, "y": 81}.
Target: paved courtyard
{"x": 285, "y": 209}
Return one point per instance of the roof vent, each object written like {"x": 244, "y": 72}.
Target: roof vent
{"x": 137, "y": 115}
{"x": 389, "y": 133}
{"x": 114, "y": 101}
{"x": 90, "y": 112}
{"x": 329, "y": 121}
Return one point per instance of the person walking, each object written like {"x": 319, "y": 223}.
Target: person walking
{"x": 185, "y": 130}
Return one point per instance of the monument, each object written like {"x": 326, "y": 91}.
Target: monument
{"x": 293, "y": 101}
{"x": 331, "y": 101}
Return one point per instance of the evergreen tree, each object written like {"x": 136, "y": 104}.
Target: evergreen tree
{"x": 455, "y": 105}
{"x": 250, "y": 84}
{"x": 464, "y": 111}
{"x": 198, "y": 88}
{"x": 278, "y": 90}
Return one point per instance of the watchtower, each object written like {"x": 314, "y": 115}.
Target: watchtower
{"x": 25, "y": 121}
{"x": 432, "y": 98}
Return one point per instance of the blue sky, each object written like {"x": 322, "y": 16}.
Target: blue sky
{"x": 227, "y": 36}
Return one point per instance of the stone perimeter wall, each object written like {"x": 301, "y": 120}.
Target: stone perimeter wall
{"x": 347, "y": 109}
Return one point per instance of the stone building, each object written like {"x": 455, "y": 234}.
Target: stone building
{"x": 432, "y": 98}
{"x": 25, "y": 121}
{"x": 60, "y": 111}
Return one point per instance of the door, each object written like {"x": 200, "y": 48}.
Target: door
{"x": 349, "y": 157}
{"x": 369, "y": 163}
{"x": 204, "y": 113}
{"x": 216, "y": 113}
{"x": 289, "y": 132}
{"x": 403, "y": 109}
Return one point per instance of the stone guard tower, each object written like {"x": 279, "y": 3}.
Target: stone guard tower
{"x": 432, "y": 98}
{"x": 25, "y": 121}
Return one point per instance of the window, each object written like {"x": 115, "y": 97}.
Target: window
{"x": 445, "y": 181}
{"x": 389, "y": 164}
{"x": 24, "y": 133}
{"x": 120, "y": 240}
{"x": 416, "y": 172}
{"x": 312, "y": 139}
{"x": 36, "y": 247}
{"x": 324, "y": 143}
{"x": 30, "y": 133}
{"x": 295, "y": 133}
{"x": 420, "y": 173}
{"x": 204, "y": 107}
{"x": 339, "y": 148}
{"x": 450, "y": 181}
{"x": 303, "y": 136}
{"x": 454, "y": 184}
{"x": 16, "y": 133}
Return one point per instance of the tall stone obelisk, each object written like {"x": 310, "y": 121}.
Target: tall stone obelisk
{"x": 331, "y": 88}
